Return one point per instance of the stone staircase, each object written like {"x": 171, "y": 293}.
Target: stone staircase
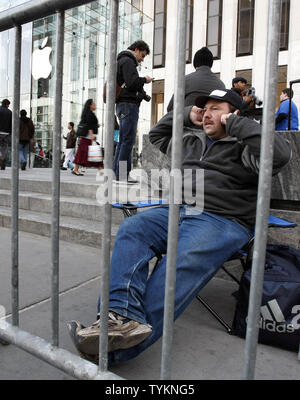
{"x": 81, "y": 217}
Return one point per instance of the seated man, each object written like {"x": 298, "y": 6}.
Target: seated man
{"x": 227, "y": 150}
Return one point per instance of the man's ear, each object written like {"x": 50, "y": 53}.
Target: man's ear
{"x": 237, "y": 112}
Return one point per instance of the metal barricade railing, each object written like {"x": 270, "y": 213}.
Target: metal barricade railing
{"x": 51, "y": 353}
{"x": 264, "y": 188}
{"x": 177, "y": 135}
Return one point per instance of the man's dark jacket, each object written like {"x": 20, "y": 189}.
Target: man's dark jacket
{"x": 199, "y": 83}
{"x": 5, "y": 119}
{"x": 127, "y": 73}
{"x": 231, "y": 164}
{"x": 71, "y": 139}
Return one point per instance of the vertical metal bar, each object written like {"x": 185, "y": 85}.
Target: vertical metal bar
{"x": 264, "y": 189}
{"x": 56, "y": 174}
{"x": 109, "y": 128}
{"x": 15, "y": 177}
{"x": 174, "y": 208}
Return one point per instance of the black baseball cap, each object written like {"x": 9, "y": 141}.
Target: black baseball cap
{"x": 227, "y": 95}
{"x": 239, "y": 79}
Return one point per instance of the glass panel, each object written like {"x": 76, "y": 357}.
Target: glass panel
{"x": 189, "y": 31}
{"x": 282, "y": 82}
{"x": 245, "y": 27}
{"x": 214, "y": 27}
{"x": 159, "y": 21}
{"x": 159, "y": 42}
{"x": 212, "y": 33}
{"x": 213, "y": 7}
{"x": 85, "y": 52}
{"x": 285, "y": 22}
{"x": 158, "y": 60}
{"x": 159, "y": 6}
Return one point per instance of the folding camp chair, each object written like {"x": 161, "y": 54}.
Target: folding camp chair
{"x": 244, "y": 255}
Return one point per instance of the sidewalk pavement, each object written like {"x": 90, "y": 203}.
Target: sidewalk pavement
{"x": 201, "y": 348}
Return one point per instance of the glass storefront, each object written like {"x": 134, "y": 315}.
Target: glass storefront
{"x": 85, "y": 52}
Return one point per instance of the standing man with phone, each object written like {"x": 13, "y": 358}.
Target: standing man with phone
{"x": 128, "y": 104}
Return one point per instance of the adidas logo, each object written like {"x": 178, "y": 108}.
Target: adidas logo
{"x": 273, "y": 320}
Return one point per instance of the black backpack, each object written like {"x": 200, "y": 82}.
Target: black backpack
{"x": 280, "y": 309}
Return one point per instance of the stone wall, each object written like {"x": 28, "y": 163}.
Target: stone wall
{"x": 286, "y": 185}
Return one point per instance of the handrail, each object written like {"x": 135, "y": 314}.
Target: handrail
{"x": 33, "y": 10}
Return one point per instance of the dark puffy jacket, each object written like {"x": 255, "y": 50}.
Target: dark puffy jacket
{"x": 5, "y": 119}
{"x": 71, "y": 139}
{"x": 26, "y": 129}
{"x": 199, "y": 83}
{"x": 230, "y": 166}
{"x": 127, "y": 73}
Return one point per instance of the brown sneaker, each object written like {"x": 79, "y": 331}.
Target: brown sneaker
{"x": 123, "y": 333}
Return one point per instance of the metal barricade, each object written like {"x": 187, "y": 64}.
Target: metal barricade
{"x": 51, "y": 353}
{"x": 264, "y": 188}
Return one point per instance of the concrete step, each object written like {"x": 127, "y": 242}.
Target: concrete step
{"x": 38, "y": 185}
{"x": 74, "y": 230}
{"x": 70, "y": 206}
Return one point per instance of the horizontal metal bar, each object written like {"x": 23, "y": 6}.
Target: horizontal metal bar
{"x": 59, "y": 358}
{"x": 34, "y": 10}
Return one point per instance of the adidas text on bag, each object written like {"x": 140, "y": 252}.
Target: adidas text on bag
{"x": 279, "y": 323}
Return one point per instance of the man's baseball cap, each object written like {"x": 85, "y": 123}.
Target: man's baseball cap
{"x": 227, "y": 95}
{"x": 239, "y": 79}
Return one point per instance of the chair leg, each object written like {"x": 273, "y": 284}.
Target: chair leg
{"x": 216, "y": 315}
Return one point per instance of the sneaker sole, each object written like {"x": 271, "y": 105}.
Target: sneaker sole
{"x": 89, "y": 344}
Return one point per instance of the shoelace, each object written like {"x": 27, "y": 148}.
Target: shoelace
{"x": 113, "y": 319}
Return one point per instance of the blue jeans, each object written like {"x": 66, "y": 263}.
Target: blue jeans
{"x": 23, "y": 152}
{"x": 205, "y": 242}
{"x": 128, "y": 115}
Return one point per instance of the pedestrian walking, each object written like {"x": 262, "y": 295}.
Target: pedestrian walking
{"x": 26, "y": 134}
{"x": 5, "y": 131}
{"x": 70, "y": 146}
{"x": 87, "y": 130}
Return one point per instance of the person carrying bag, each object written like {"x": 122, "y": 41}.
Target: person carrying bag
{"x": 87, "y": 131}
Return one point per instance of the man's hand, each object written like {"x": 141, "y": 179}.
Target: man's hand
{"x": 148, "y": 79}
{"x": 196, "y": 116}
{"x": 225, "y": 117}
{"x": 247, "y": 99}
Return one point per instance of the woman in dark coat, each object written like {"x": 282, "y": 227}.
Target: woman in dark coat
{"x": 26, "y": 134}
{"x": 90, "y": 122}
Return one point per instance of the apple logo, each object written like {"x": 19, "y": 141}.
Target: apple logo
{"x": 41, "y": 66}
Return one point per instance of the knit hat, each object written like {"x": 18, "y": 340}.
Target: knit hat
{"x": 203, "y": 57}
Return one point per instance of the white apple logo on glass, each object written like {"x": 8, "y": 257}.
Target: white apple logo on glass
{"x": 41, "y": 66}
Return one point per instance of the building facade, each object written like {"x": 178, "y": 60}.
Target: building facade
{"x": 234, "y": 30}
{"x": 236, "y": 33}
{"x": 85, "y": 53}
